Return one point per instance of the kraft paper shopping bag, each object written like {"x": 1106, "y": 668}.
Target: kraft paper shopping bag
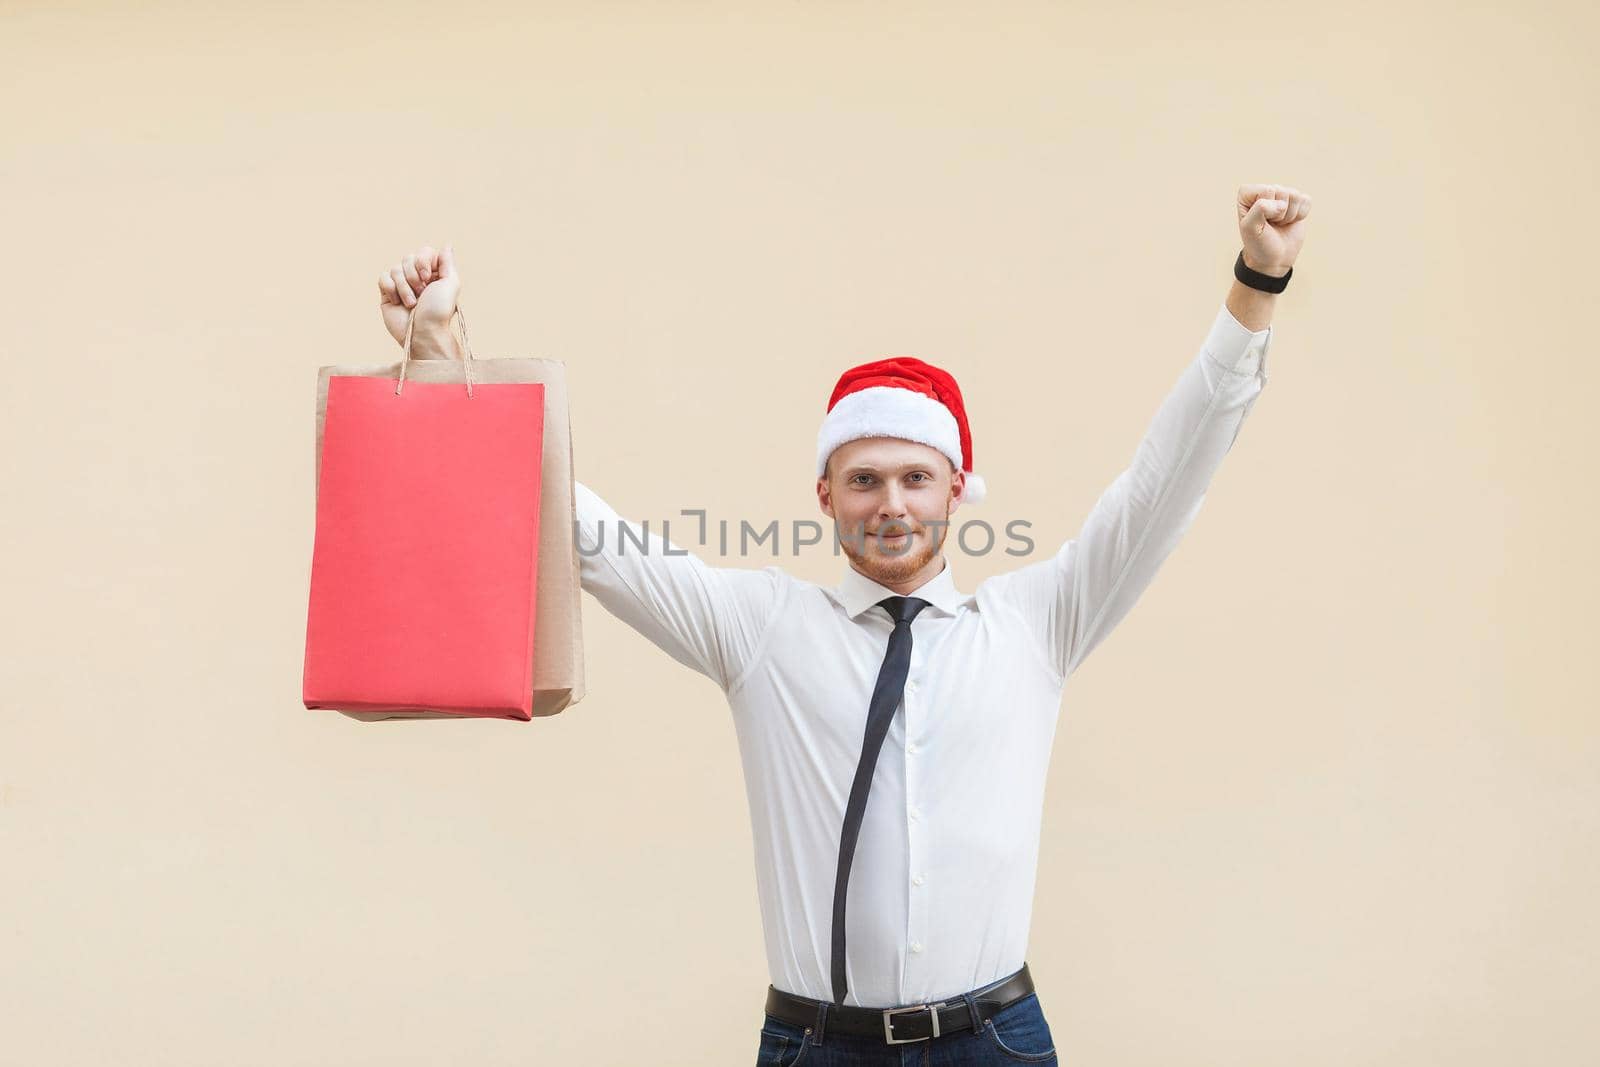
{"x": 444, "y": 579}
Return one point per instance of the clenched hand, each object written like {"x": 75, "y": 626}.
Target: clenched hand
{"x": 424, "y": 284}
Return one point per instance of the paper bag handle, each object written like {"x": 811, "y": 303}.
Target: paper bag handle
{"x": 406, "y": 359}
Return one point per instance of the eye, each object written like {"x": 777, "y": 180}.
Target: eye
{"x": 857, "y": 478}
{"x": 921, "y": 474}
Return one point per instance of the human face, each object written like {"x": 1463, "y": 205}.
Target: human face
{"x": 881, "y": 492}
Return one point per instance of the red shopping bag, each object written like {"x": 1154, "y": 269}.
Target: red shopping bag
{"x": 424, "y": 570}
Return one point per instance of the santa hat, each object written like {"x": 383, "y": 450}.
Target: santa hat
{"x": 906, "y": 398}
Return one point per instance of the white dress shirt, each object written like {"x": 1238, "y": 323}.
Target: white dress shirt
{"x": 941, "y": 890}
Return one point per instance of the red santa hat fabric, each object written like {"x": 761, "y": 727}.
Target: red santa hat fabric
{"x": 906, "y": 398}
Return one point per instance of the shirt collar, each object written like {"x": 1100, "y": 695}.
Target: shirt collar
{"x": 856, "y": 592}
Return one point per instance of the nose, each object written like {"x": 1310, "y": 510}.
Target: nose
{"x": 893, "y": 505}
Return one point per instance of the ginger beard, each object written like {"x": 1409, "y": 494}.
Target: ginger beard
{"x": 879, "y": 487}
{"x": 889, "y": 560}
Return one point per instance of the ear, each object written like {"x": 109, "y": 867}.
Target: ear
{"x": 824, "y": 497}
{"x": 973, "y": 488}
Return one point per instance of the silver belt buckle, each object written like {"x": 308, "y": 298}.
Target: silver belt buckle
{"x": 888, "y": 1023}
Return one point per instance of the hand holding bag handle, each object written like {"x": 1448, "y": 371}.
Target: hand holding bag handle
{"x": 405, "y": 360}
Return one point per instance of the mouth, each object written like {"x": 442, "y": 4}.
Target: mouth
{"x": 893, "y": 539}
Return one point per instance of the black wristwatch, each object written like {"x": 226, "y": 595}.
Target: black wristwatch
{"x": 1256, "y": 280}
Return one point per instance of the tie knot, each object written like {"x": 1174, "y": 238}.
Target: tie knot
{"x": 902, "y": 608}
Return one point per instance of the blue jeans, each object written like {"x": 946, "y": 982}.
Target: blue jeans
{"x": 1015, "y": 1034}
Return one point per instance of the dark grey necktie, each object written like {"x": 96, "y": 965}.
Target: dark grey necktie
{"x": 885, "y": 699}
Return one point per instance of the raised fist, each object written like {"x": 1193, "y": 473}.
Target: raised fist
{"x": 424, "y": 284}
{"x": 1272, "y": 225}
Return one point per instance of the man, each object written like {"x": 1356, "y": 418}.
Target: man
{"x": 905, "y": 919}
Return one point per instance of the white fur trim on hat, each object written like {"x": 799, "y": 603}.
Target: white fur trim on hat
{"x": 976, "y": 489}
{"x": 889, "y": 411}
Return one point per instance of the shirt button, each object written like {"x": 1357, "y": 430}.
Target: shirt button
{"x": 916, "y": 813}
{"x": 917, "y": 879}
{"x": 911, "y": 687}
{"x": 912, "y": 748}
{"x": 916, "y": 946}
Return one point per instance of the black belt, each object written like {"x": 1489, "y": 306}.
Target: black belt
{"x": 896, "y": 1026}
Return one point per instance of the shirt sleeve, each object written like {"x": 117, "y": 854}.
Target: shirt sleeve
{"x": 1074, "y": 599}
{"x": 708, "y": 618}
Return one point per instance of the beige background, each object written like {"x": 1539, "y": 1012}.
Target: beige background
{"x": 1329, "y": 795}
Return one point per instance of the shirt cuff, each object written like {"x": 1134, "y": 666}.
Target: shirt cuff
{"x": 1234, "y": 347}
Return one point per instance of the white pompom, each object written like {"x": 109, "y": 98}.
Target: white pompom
{"x": 976, "y": 489}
